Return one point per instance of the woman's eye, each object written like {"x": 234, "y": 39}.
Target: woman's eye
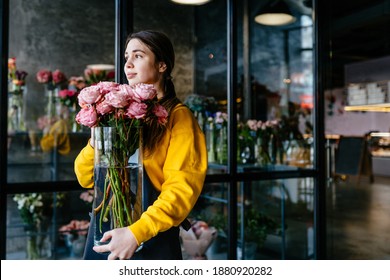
{"x": 138, "y": 56}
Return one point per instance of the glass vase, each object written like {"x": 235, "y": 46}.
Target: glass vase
{"x": 210, "y": 140}
{"x": 16, "y": 111}
{"x": 53, "y": 106}
{"x": 118, "y": 175}
{"x": 222, "y": 149}
{"x": 74, "y": 126}
{"x": 32, "y": 251}
{"x": 262, "y": 152}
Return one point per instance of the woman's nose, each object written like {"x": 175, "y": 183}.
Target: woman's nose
{"x": 129, "y": 64}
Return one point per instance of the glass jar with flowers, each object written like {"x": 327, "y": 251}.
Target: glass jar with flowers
{"x": 221, "y": 120}
{"x": 116, "y": 114}
{"x": 36, "y": 210}
{"x": 52, "y": 81}
{"x": 264, "y": 142}
{"x": 68, "y": 100}
{"x": 246, "y": 141}
{"x": 16, "y": 91}
{"x": 74, "y": 234}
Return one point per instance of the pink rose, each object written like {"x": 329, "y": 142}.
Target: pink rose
{"x": 88, "y": 73}
{"x": 77, "y": 82}
{"x": 44, "y": 76}
{"x": 66, "y": 93}
{"x": 128, "y": 90}
{"x": 103, "y": 108}
{"x": 117, "y": 99}
{"x": 89, "y": 95}
{"x": 106, "y": 87}
{"x": 87, "y": 116}
{"x": 58, "y": 77}
{"x": 161, "y": 113}
{"x": 220, "y": 117}
{"x": 136, "y": 110}
{"x": 144, "y": 92}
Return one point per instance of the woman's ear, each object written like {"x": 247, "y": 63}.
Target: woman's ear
{"x": 162, "y": 67}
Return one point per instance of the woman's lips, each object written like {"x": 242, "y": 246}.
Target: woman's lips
{"x": 130, "y": 75}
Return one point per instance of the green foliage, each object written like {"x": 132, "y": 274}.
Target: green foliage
{"x": 257, "y": 225}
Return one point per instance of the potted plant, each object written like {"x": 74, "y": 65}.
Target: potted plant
{"x": 257, "y": 225}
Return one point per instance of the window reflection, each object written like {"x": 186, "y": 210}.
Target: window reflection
{"x": 47, "y": 66}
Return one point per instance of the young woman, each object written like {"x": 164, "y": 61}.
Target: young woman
{"x": 175, "y": 161}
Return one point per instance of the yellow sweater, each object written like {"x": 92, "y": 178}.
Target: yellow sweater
{"x": 177, "y": 169}
{"x": 57, "y": 138}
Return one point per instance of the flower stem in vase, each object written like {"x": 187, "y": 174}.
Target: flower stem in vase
{"x": 114, "y": 201}
{"x": 32, "y": 246}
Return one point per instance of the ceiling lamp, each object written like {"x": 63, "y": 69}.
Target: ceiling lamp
{"x": 191, "y": 2}
{"x": 275, "y": 13}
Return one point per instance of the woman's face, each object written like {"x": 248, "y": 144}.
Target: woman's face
{"x": 141, "y": 65}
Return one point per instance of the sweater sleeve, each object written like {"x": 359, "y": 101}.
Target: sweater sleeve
{"x": 180, "y": 176}
{"x": 84, "y": 166}
{"x": 56, "y": 138}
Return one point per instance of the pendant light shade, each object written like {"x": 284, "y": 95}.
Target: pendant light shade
{"x": 191, "y": 2}
{"x": 275, "y": 13}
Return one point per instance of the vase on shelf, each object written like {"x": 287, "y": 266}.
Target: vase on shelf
{"x": 222, "y": 149}
{"x": 32, "y": 250}
{"x": 16, "y": 116}
{"x": 53, "y": 106}
{"x": 210, "y": 140}
{"x": 74, "y": 126}
{"x": 118, "y": 177}
{"x": 38, "y": 243}
{"x": 262, "y": 152}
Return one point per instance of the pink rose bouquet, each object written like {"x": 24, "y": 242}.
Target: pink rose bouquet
{"x": 125, "y": 108}
{"x": 52, "y": 79}
{"x": 68, "y": 97}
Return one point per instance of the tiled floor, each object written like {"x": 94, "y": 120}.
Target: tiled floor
{"x": 359, "y": 219}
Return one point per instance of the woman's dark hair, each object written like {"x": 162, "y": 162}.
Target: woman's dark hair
{"x": 162, "y": 47}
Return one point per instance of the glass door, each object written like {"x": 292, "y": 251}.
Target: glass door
{"x": 51, "y": 57}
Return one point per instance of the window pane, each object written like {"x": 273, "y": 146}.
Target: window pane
{"x": 276, "y": 123}
{"x": 47, "y": 225}
{"x": 43, "y": 138}
{"x": 276, "y": 219}
{"x": 211, "y": 209}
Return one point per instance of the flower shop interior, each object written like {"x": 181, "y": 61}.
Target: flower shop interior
{"x": 296, "y": 116}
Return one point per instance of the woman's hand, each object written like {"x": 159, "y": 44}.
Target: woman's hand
{"x": 121, "y": 246}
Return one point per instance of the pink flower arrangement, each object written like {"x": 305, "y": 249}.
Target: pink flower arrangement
{"x": 75, "y": 227}
{"x": 52, "y": 79}
{"x": 77, "y": 83}
{"x": 87, "y": 196}
{"x": 125, "y": 108}
{"x": 107, "y": 102}
{"x": 68, "y": 97}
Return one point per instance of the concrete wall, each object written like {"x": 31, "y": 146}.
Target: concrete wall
{"x": 65, "y": 35}
{"x": 70, "y": 34}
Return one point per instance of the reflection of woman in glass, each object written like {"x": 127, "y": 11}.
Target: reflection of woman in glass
{"x": 175, "y": 160}
{"x": 56, "y": 136}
